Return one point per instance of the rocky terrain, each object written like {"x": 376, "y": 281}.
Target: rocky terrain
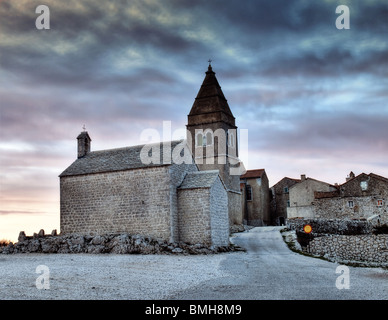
{"x": 122, "y": 243}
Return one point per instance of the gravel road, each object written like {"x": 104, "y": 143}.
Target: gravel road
{"x": 268, "y": 270}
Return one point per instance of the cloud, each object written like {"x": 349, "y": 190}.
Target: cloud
{"x": 303, "y": 88}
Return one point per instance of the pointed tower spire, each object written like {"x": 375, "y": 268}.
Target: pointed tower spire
{"x": 210, "y": 101}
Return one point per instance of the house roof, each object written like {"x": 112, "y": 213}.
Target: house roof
{"x": 307, "y": 179}
{"x": 378, "y": 177}
{"x": 118, "y": 159}
{"x": 257, "y": 173}
{"x": 199, "y": 179}
{"x": 372, "y": 175}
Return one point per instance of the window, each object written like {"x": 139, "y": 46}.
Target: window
{"x": 288, "y": 203}
{"x": 203, "y": 140}
{"x": 379, "y": 203}
{"x": 249, "y": 192}
{"x": 364, "y": 185}
{"x": 231, "y": 140}
{"x": 199, "y": 140}
{"x": 285, "y": 189}
{"x": 209, "y": 139}
{"x": 350, "y": 204}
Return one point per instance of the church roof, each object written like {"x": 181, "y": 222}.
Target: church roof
{"x": 115, "y": 160}
{"x": 210, "y": 101}
{"x": 199, "y": 179}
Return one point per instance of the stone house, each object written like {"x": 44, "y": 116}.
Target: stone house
{"x": 361, "y": 197}
{"x": 280, "y": 200}
{"x": 176, "y": 190}
{"x": 255, "y": 198}
{"x": 302, "y": 196}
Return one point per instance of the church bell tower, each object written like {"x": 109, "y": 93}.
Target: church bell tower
{"x": 212, "y": 137}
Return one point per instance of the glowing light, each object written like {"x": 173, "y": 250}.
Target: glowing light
{"x": 307, "y": 228}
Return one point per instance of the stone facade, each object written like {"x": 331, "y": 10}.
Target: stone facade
{"x": 280, "y": 200}
{"x": 255, "y": 198}
{"x": 203, "y": 212}
{"x": 302, "y": 197}
{"x": 361, "y": 197}
{"x": 135, "y": 201}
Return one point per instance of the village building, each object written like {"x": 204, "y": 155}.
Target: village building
{"x": 280, "y": 200}
{"x": 302, "y": 196}
{"x": 255, "y": 198}
{"x": 361, "y": 197}
{"x": 192, "y": 197}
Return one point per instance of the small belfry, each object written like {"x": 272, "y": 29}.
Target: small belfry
{"x": 84, "y": 142}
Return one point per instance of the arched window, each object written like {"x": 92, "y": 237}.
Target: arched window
{"x": 209, "y": 139}
{"x": 199, "y": 140}
{"x": 231, "y": 141}
{"x": 203, "y": 140}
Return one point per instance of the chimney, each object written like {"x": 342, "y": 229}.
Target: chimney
{"x": 302, "y": 177}
{"x": 350, "y": 176}
{"x": 83, "y": 144}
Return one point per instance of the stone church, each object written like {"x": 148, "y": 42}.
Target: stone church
{"x": 192, "y": 197}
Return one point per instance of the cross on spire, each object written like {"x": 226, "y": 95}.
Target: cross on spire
{"x": 210, "y": 62}
{"x": 83, "y": 127}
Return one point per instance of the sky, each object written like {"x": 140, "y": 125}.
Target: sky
{"x": 314, "y": 98}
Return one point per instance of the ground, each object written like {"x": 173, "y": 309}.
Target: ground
{"x": 268, "y": 270}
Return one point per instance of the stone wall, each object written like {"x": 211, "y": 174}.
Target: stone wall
{"x": 343, "y": 248}
{"x": 342, "y": 240}
{"x": 219, "y": 219}
{"x": 302, "y": 197}
{"x": 135, "y": 201}
{"x": 177, "y": 173}
{"x": 331, "y": 226}
{"x": 194, "y": 214}
{"x": 121, "y": 243}
{"x": 362, "y": 208}
{"x": 280, "y": 200}
{"x": 234, "y": 207}
{"x": 203, "y": 215}
{"x": 256, "y": 211}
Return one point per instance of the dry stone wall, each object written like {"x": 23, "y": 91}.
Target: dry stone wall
{"x": 119, "y": 243}
{"x": 342, "y": 240}
{"x": 345, "y": 248}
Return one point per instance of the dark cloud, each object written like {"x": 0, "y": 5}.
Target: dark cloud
{"x": 298, "y": 84}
